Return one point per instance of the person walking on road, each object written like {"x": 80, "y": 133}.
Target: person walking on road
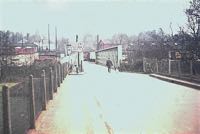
{"x": 109, "y": 64}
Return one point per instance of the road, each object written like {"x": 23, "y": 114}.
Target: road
{"x": 99, "y": 102}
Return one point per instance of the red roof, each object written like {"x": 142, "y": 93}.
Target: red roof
{"x": 26, "y": 50}
{"x": 103, "y": 45}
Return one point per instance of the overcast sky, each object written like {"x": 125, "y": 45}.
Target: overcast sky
{"x": 103, "y": 17}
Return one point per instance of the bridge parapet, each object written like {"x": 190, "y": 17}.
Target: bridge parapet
{"x": 114, "y": 53}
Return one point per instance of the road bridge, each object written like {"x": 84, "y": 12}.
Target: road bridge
{"x": 99, "y": 102}
{"x": 114, "y": 53}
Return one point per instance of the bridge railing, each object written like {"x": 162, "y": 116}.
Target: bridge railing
{"x": 20, "y": 105}
{"x": 114, "y": 53}
{"x": 176, "y": 68}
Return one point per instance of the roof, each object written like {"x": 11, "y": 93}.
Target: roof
{"x": 24, "y": 44}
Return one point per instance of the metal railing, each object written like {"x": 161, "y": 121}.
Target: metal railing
{"x": 176, "y": 68}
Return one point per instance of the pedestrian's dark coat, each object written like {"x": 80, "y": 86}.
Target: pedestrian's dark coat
{"x": 109, "y": 63}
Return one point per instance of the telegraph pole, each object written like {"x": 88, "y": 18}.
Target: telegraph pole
{"x": 76, "y": 38}
{"x": 56, "y": 45}
{"x": 48, "y": 37}
{"x": 22, "y": 41}
{"x": 97, "y": 39}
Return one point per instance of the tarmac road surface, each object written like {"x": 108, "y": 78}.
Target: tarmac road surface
{"x": 99, "y": 102}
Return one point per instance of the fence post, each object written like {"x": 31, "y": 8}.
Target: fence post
{"x": 58, "y": 75}
{"x": 6, "y": 110}
{"x": 61, "y": 73}
{"x": 81, "y": 66}
{"x": 156, "y": 65}
{"x": 78, "y": 60}
{"x": 64, "y": 72}
{"x": 191, "y": 66}
{"x": 32, "y": 102}
{"x": 169, "y": 67}
{"x": 44, "y": 91}
{"x": 51, "y": 84}
{"x": 67, "y": 69}
{"x": 56, "y": 78}
{"x": 144, "y": 62}
{"x": 67, "y": 66}
{"x": 179, "y": 67}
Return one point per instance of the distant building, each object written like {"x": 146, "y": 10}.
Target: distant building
{"x": 19, "y": 54}
{"x": 103, "y": 45}
{"x": 49, "y": 55}
{"x": 25, "y": 55}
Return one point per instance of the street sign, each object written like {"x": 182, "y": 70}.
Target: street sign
{"x": 178, "y": 55}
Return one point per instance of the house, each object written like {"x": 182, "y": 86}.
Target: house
{"x": 103, "y": 45}
{"x": 19, "y": 54}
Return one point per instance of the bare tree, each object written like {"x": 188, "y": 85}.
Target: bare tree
{"x": 193, "y": 15}
{"x": 133, "y": 40}
{"x": 120, "y": 39}
{"x": 89, "y": 41}
{"x": 170, "y": 26}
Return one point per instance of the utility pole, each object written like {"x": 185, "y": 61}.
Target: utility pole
{"x": 27, "y": 37}
{"x": 22, "y": 41}
{"x": 97, "y": 46}
{"x": 42, "y": 44}
{"x": 76, "y": 38}
{"x": 56, "y": 45}
{"x": 97, "y": 38}
{"x": 48, "y": 37}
